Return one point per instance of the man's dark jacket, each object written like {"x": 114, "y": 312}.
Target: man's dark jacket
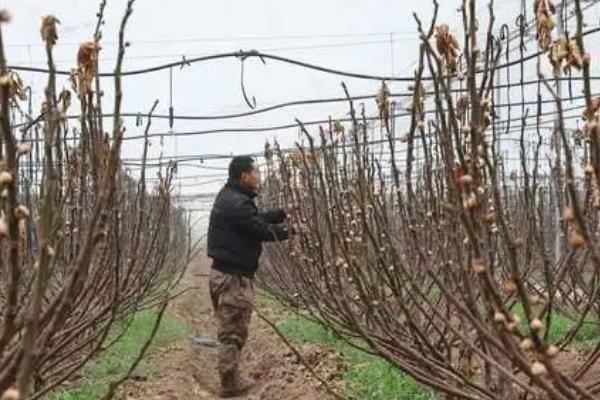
{"x": 236, "y": 230}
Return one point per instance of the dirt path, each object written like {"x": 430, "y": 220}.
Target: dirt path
{"x": 188, "y": 372}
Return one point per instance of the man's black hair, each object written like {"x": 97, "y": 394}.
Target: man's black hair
{"x": 239, "y": 165}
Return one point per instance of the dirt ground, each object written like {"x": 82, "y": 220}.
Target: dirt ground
{"x": 187, "y": 371}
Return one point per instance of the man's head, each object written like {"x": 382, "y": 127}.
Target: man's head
{"x": 244, "y": 172}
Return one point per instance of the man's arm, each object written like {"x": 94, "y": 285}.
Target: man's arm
{"x": 248, "y": 219}
{"x": 276, "y": 216}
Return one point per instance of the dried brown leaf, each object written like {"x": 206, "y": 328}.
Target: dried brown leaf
{"x": 49, "y": 30}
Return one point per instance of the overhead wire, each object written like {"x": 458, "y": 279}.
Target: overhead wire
{"x": 262, "y": 55}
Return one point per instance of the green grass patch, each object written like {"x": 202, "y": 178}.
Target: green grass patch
{"x": 116, "y": 360}
{"x": 369, "y": 378}
{"x": 264, "y": 299}
{"x": 587, "y": 336}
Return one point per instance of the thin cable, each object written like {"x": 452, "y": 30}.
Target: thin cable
{"x": 323, "y": 101}
{"x": 254, "y": 53}
{"x": 235, "y": 39}
{"x": 175, "y": 134}
{"x": 289, "y": 126}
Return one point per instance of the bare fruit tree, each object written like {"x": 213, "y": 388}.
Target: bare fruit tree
{"x": 453, "y": 275}
{"x": 84, "y": 245}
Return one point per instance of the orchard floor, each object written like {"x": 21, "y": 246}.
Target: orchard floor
{"x": 186, "y": 371}
{"x": 183, "y": 371}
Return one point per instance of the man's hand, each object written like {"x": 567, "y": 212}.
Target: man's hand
{"x": 276, "y": 216}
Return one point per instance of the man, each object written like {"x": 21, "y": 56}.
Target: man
{"x": 235, "y": 234}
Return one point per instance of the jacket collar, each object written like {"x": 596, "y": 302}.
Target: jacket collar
{"x": 240, "y": 189}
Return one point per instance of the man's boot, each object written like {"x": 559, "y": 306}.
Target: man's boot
{"x": 233, "y": 386}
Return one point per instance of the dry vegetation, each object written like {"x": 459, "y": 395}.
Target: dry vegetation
{"x": 83, "y": 245}
{"x": 457, "y": 277}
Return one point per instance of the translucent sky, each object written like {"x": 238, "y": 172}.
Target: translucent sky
{"x": 372, "y": 37}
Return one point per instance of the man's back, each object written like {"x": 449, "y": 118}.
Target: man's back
{"x": 229, "y": 242}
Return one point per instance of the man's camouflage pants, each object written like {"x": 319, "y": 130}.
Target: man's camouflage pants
{"x": 232, "y": 298}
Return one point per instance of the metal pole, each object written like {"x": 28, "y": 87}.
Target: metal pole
{"x": 392, "y": 52}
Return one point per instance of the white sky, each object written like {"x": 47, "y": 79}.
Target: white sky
{"x": 350, "y": 35}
